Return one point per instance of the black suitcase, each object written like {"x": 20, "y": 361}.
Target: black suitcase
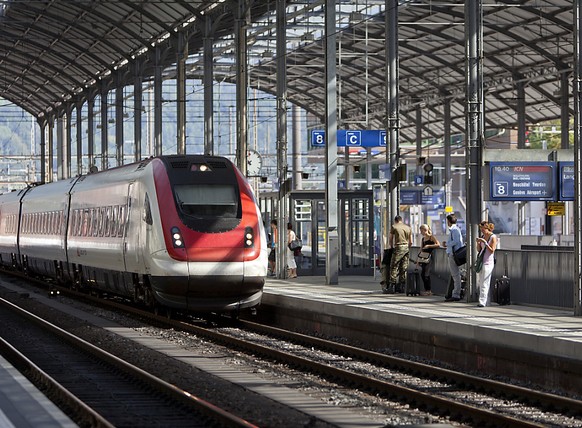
{"x": 413, "y": 283}
{"x": 501, "y": 288}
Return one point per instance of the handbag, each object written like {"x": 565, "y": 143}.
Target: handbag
{"x": 423, "y": 257}
{"x": 460, "y": 255}
{"x": 295, "y": 244}
{"x": 479, "y": 262}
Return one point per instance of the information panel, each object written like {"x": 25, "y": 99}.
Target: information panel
{"x": 566, "y": 171}
{"x": 522, "y": 181}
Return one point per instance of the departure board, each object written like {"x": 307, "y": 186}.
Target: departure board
{"x": 522, "y": 181}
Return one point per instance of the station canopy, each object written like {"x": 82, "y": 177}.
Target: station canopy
{"x": 55, "y": 53}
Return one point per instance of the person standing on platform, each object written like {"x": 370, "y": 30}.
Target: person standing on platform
{"x": 290, "y": 254}
{"x": 273, "y": 246}
{"x": 453, "y": 243}
{"x": 487, "y": 242}
{"x": 400, "y": 240}
{"x": 428, "y": 244}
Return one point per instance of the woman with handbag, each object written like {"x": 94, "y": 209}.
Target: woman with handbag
{"x": 428, "y": 243}
{"x": 486, "y": 246}
{"x": 291, "y": 264}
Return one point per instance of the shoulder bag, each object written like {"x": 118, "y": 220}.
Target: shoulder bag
{"x": 479, "y": 262}
{"x": 423, "y": 257}
{"x": 460, "y": 255}
{"x": 295, "y": 244}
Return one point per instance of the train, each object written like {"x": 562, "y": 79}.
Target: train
{"x": 181, "y": 232}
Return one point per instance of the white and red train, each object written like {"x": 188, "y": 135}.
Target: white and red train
{"x": 181, "y": 232}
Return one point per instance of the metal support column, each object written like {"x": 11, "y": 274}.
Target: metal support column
{"x": 577, "y": 289}
{"x": 296, "y": 153}
{"x": 50, "y": 155}
{"x": 137, "y": 112}
{"x": 331, "y": 161}
{"x": 43, "y": 131}
{"x": 181, "y": 56}
{"x": 448, "y": 168}
{"x": 60, "y": 144}
{"x": 158, "y": 103}
{"x": 68, "y": 141}
{"x": 241, "y": 85}
{"x": 119, "y": 134}
{"x": 474, "y": 130}
{"x": 281, "y": 134}
{"x": 79, "y": 137}
{"x": 208, "y": 87}
{"x": 520, "y": 88}
{"x": 90, "y": 132}
{"x": 104, "y": 130}
{"x": 565, "y": 110}
{"x": 392, "y": 111}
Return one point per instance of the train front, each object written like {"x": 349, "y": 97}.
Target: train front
{"x": 213, "y": 234}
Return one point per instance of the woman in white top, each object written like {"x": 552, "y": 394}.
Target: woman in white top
{"x": 291, "y": 264}
{"x": 487, "y": 242}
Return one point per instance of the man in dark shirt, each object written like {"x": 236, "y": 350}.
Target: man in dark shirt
{"x": 400, "y": 240}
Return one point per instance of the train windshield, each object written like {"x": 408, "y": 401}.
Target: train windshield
{"x": 207, "y": 200}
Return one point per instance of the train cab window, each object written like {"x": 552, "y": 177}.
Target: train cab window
{"x": 207, "y": 200}
{"x": 147, "y": 215}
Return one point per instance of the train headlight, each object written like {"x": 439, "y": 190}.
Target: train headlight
{"x": 200, "y": 167}
{"x": 249, "y": 237}
{"x": 177, "y": 238}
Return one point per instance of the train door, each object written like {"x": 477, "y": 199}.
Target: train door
{"x": 131, "y": 217}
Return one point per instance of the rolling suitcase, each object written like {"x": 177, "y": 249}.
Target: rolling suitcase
{"x": 501, "y": 288}
{"x": 413, "y": 283}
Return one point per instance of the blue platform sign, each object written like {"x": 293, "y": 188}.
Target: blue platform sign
{"x": 318, "y": 138}
{"x": 350, "y": 138}
{"x": 417, "y": 196}
{"x": 353, "y": 139}
{"x": 436, "y": 198}
{"x": 409, "y": 196}
{"x": 382, "y": 141}
{"x": 522, "y": 181}
{"x": 566, "y": 178}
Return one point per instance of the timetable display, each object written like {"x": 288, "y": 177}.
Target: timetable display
{"x": 522, "y": 181}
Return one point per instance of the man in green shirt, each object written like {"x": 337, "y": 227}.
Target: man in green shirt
{"x": 400, "y": 240}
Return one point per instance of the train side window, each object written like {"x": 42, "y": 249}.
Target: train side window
{"x": 74, "y": 222}
{"x": 114, "y": 216}
{"x": 101, "y": 220}
{"x": 95, "y": 220}
{"x": 107, "y": 221}
{"x": 147, "y": 211}
{"x": 121, "y": 225}
{"x": 56, "y": 222}
{"x": 85, "y": 227}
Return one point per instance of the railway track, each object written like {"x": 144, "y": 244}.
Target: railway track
{"x": 94, "y": 387}
{"x": 464, "y": 398}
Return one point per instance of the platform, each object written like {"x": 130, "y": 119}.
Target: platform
{"x": 23, "y": 406}
{"x": 527, "y": 343}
